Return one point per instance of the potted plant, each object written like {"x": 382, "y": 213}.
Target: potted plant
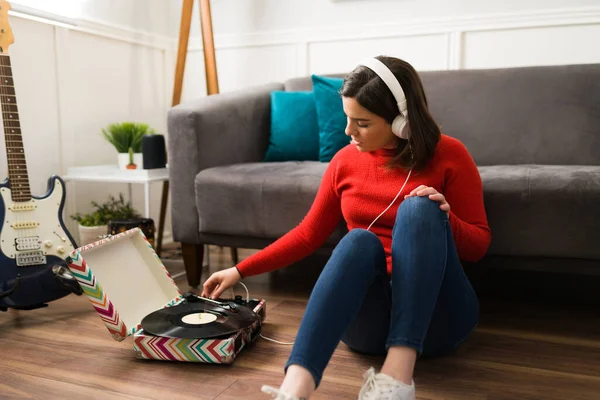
{"x": 127, "y": 138}
{"x": 95, "y": 224}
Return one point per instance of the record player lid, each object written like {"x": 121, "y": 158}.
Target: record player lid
{"x": 124, "y": 280}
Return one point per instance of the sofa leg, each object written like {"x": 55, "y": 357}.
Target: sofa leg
{"x": 234, "y": 255}
{"x": 193, "y": 257}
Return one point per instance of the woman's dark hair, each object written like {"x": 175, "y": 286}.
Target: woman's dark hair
{"x": 372, "y": 93}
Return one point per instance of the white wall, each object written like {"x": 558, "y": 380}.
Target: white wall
{"x": 266, "y": 40}
{"x": 148, "y": 16}
{"x": 73, "y": 81}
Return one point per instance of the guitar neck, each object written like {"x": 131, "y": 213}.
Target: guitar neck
{"x": 15, "y": 152}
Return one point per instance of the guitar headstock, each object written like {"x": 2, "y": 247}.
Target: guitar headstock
{"x": 6, "y": 34}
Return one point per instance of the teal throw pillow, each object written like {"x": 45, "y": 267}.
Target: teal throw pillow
{"x": 330, "y": 112}
{"x": 294, "y": 127}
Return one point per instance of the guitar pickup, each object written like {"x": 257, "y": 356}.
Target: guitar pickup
{"x": 25, "y": 225}
{"x": 28, "y": 243}
{"x": 31, "y": 258}
{"x": 30, "y": 206}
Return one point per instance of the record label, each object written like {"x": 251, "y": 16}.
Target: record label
{"x": 199, "y": 318}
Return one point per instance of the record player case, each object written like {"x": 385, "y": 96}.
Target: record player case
{"x": 125, "y": 280}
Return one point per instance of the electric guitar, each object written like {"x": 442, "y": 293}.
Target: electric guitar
{"x": 34, "y": 241}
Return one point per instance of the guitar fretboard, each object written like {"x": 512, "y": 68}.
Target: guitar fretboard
{"x": 15, "y": 153}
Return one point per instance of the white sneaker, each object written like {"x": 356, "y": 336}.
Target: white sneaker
{"x": 279, "y": 394}
{"x": 384, "y": 387}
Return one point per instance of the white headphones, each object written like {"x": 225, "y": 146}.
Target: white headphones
{"x": 392, "y": 83}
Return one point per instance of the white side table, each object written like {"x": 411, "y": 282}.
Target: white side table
{"x": 112, "y": 174}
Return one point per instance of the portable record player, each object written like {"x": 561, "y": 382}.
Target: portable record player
{"x": 130, "y": 289}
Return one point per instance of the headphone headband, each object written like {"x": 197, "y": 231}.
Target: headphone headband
{"x": 389, "y": 79}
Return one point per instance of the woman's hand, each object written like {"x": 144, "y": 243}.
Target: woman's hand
{"x": 218, "y": 282}
{"x": 433, "y": 195}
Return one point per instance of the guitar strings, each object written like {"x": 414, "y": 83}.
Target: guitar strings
{"x": 13, "y": 144}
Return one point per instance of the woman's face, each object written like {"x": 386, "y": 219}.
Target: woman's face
{"x": 368, "y": 131}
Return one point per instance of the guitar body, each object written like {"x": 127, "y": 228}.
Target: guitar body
{"x": 34, "y": 243}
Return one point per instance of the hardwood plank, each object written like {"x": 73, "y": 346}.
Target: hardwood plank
{"x": 250, "y": 389}
{"x": 25, "y": 386}
{"x": 553, "y": 356}
{"x": 499, "y": 380}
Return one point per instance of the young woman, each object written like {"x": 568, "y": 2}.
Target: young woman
{"x": 413, "y": 203}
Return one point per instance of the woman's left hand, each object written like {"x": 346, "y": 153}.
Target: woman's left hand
{"x": 433, "y": 195}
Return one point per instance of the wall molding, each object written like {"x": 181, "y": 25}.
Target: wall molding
{"x": 453, "y": 26}
{"x": 454, "y": 50}
{"x": 124, "y": 33}
{"x": 107, "y": 30}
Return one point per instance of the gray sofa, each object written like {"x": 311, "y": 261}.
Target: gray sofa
{"x": 534, "y": 133}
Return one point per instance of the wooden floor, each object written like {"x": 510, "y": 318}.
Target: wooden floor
{"x": 530, "y": 344}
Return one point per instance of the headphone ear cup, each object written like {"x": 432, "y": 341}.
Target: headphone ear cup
{"x": 398, "y": 127}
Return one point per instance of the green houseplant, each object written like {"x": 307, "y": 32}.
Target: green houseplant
{"x": 126, "y": 137}
{"x": 95, "y": 223}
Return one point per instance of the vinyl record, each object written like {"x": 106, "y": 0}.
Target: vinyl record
{"x": 198, "y": 320}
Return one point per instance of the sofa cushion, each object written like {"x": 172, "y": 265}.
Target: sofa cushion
{"x": 331, "y": 116}
{"x": 533, "y": 210}
{"x": 539, "y": 210}
{"x": 267, "y": 199}
{"x": 294, "y": 127}
{"x": 545, "y": 115}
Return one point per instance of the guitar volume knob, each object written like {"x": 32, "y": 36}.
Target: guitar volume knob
{"x": 48, "y": 243}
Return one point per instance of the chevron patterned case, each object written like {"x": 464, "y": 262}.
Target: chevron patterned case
{"x": 214, "y": 351}
{"x": 136, "y": 283}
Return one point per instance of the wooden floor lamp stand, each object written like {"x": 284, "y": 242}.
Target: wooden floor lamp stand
{"x": 193, "y": 254}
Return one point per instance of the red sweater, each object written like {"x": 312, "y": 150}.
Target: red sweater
{"x": 358, "y": 187}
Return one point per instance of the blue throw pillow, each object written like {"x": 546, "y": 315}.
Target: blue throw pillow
{"x": 332, "y": 120}
{"x": 294, "y": 127}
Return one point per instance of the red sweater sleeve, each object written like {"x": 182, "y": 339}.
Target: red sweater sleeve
{"x": 319, "y": 223}
{"x": 464, "y": 192}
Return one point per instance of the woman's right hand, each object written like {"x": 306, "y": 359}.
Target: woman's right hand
{"x": 218, "y": 282}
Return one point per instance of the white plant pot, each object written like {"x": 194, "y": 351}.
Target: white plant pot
{"x": 89, "y": 234}
{"x": 123, "y": 160}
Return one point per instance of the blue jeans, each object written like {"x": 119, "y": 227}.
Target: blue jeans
{"x": 428, "y": 305}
